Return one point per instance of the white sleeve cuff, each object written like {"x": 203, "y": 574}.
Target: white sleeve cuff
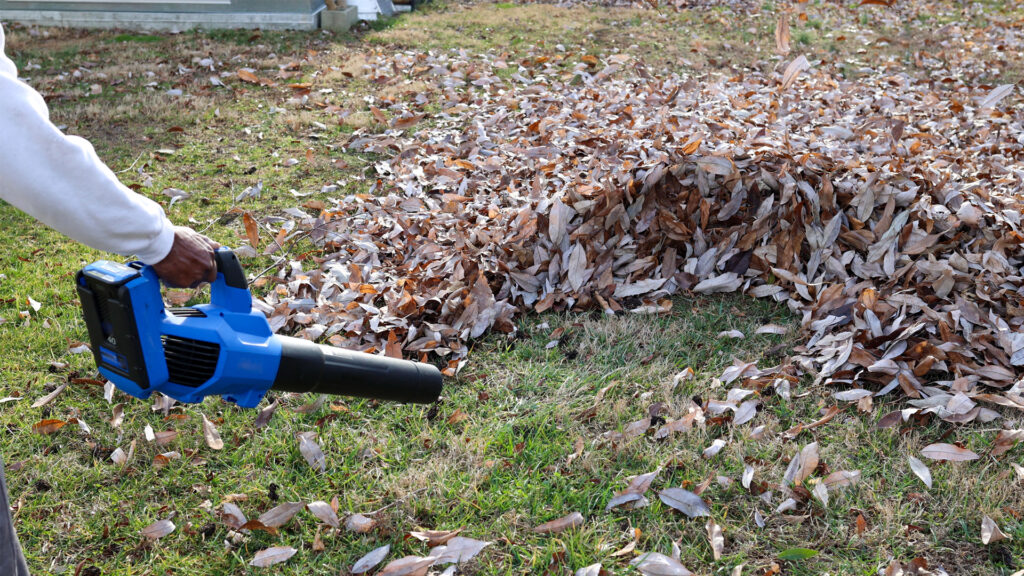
{"x": 160, "y": 247}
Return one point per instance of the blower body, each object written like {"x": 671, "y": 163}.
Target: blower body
{"x": 223, "y": 348}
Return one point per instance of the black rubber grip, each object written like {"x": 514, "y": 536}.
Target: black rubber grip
{"x": 231, "y": 268}
{"x": 309, "y": 367}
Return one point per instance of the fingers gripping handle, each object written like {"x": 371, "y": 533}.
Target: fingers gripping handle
{"x": 230, "y": 290}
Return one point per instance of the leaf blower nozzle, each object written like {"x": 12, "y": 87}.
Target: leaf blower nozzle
{"x": 225, "y": 347}
{"x": 309, "y": 367}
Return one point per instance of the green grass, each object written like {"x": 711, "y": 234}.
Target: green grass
{"x": 494, "y": 456}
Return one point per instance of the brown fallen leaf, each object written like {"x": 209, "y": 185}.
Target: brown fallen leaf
{"x": 252, "y": 229}
{"x": 48, "y": 426}
{"x": 574, "y": 520}
{"x": 921, "y": 470}
{"x": 213, "y": 439}
{"x": 717, "y": 539}
{"x": 990, "y": 531}
{"x": 266, "y": 414}
{"x": 46, "y": 399}
{"x": 435, "y": 537}
{"x": 458, "y": 550}
{"x": 407, "y": 566}
{"x": 371, "y": 559}
{"x": 656, "y": 564}
{"x": 272, "y": 556}
{"x": 281, "y": 514}
{"x": 158, "y": 529}
{"x": 359, "y": 523}
{"x": 685, "y": 501}
{"x": 232, "y": 515}
{"x": 324, "y": 512}
{"x": 948, "y": 452}
{"x": 311, "y": 451}
{"x": 1006, "y": 440}
{"x": 246, "y": 76}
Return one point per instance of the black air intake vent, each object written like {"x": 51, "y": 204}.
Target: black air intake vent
{"x": 187, "y": 312}
{"x": 190, "y": 362}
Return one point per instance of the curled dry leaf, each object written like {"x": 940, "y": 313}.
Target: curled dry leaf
{"x": 408, "y": 566}
{"x": 592, "y": 570}
{"x": 324, "y": 512}
{"x": 232, "y": 515}
{"x": 46, "y": 399}
{"x": 1006, "y": 440}
{"x": 990, "y": 531}
{"x": 841, "y": 479}
{"x": 158, "y": 529}
{"x": 359, "y": 523}
{"x": 48, "y": 426}
{"x": 656, "y": 564}
{"x": 435, "y": 537}
{"x": 573, "y": 520}
{"x": 921, "y": 470}
{"x": 717, "y": 539}
{"x": 266, "y": 414}
{"x": 802, "y": 465}
{"x": 374, "y": 557}
{"x": 950, "y": 452}
{"x": 685, "y": 501}
{"x": 271, "y": 556}
{"x": 311, "y": 451}
{"x": 211, "y": 434}
{"x": 280, "y": 515}
{"x": 458, "y": 550}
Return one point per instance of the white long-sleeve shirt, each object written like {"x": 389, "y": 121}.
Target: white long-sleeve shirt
{"x": 60, "y": 180}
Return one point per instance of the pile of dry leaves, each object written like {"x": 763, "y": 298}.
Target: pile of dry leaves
{"x": 885, "y": 211}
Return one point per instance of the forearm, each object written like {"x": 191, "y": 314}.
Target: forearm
{"x": 60, "y": 180}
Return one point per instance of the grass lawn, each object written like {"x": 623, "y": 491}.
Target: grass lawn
{"x": 537, "y": 425}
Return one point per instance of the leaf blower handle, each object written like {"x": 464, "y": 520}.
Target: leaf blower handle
{"x": 231, "y": 289}
{"x": 309, "y": 367}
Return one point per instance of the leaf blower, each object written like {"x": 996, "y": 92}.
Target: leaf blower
{"x": 225, "y": 347}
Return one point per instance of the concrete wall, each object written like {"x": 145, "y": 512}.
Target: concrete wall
{"x": 166, "y": 14}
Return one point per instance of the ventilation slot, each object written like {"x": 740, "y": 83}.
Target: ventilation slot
{"x": 187, "y": 312}
{"x": 190, "y": 362}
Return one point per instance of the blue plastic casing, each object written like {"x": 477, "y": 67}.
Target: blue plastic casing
{"x": 247, "y": 354}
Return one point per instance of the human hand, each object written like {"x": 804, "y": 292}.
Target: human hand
{"x": 190, "y": 262}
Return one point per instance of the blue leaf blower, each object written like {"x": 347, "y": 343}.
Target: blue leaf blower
{"x": 225, "y": 347}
